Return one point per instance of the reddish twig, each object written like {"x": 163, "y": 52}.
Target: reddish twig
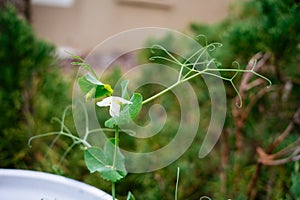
{"x": 267, "y": 158}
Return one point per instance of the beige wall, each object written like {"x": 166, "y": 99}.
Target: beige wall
{"x": 88, "y": 22}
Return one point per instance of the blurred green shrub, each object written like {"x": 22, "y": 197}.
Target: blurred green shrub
{"x": 31, "y": 88}
{"x": 295, "y": 188}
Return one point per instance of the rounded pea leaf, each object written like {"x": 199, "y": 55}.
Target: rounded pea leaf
{"x": 112, "y": 175}
{"x": 94, "y": 159}
{"x": 102, "y": 161}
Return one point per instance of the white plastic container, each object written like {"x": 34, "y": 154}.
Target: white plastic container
{"x": 32, "y": 185}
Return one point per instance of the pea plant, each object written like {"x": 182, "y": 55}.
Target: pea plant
{"x": 109, "y": 161}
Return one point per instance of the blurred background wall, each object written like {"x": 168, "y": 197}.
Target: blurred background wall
{"x": 84, "y": 24}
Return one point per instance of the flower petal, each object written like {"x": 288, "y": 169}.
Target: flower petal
{"x": 114, "y": 103}
{"x": 105, "y": 102}
{"x": 114, "y": 109}
{"x": 120, "y": 100}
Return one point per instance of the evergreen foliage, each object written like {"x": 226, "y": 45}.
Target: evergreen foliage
{"x": 30, "y": 88}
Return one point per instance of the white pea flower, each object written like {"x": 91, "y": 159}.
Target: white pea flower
{"x": 114, "y": 103}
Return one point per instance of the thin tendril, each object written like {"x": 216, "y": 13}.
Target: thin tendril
{"x": 177, "y": 183}
{"x": 68, "y": 151}
{"x": 198, "y": 58}
{"x": 164, "y": 58}
{"x": 166, "y": 51}
{"x": 61, "y": 122}
{"x": 202, "y": 36}
{"x": 191, "y": 64}
{"x": 62, "y": 127}
{"x": 213, "y": 46}
{"x": 58, "y": 133}
{"x": 194, "y": 54}
{"x": 236, "y": 90}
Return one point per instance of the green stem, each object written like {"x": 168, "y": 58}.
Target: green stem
{"x": 113, "y": 187}
{"x": 116, "y": 146}
{"x": 161, "y": 92}
{"x": 113, "y": 190}
{"x": 169, "y": 88}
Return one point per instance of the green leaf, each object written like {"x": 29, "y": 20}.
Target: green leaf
{"x": 130, "y": 196}
{"x": 109, "y": 149}
{"x": 136, "y": 106}
{"x": 75, "y": 56}
{"x": 93, "y": 88}
{"x": 112, "y": 175}
{"x": 92, "y": 79}
{"x": 94, "y": 159}
{"x": 110, "y": 123}
{"x": 76, "y": 63}
{"x": 102, "y": 161}
{"x": 85, "y": 85}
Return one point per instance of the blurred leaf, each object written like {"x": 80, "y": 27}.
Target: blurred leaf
{"x": 124, "y": 85}
{"x": 295, "y": 188}
{"x": 110, "y": 123}
{"x": 77, "y": 58}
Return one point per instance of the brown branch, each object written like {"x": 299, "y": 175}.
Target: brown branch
{"x": 294, "y": 157}
{"x": 281, "y": 137}
{"x": 284, "y": 152}
{"x": 266, "y": 159}
{"x": 291, "y": 151}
